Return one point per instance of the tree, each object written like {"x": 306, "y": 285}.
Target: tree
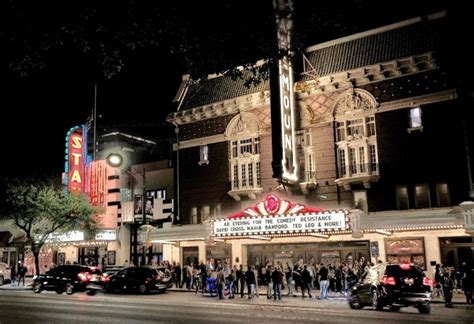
{"x": 41, "y": 210}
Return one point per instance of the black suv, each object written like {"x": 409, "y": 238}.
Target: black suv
{"x": 66, "y": 278}
{"x": 392, "y": 285}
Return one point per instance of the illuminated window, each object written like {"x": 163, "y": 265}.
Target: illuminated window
{"x": 402, "y": 198}
{"x": 245, "y": 163}
{"x": 356, "y": 147}
{"x": 203, "y": 154}
{"x": 415, "y": 121}
{"x": 304, "y": 141}
{"x": 442, "y": 195}
{"x": 422, "y": 196}
{"x": 194, "y": 215}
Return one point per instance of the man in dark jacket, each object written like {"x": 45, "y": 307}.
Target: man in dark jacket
{"x": 277, "y": 278}
{"x": 240, "y": 280}
{"x": 250, "y": 279}
{"x": 306, "y": 282}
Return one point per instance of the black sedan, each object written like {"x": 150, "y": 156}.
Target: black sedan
{"x": 137, "y": 279}
{"x": 66, "y": 278}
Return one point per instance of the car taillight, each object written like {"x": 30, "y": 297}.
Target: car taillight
{"x": 106, "y": 278}
{"x": 157, "y": 277}
{"x": 389, "y": 280}
{"x": 83, "y": 276}
{"x": 405, "y": 266}
{"x": 427, "y": 281}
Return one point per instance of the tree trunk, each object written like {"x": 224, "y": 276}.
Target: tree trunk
{"x": 36, "y": 254}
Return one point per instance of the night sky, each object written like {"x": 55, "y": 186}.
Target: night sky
{"x": 38, "y": 109}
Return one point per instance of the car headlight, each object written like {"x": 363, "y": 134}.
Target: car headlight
{"x": 35, "y": 276}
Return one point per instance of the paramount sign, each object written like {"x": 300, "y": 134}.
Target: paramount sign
{"x": 281, "y": 224}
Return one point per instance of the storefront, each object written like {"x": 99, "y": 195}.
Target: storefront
{"x": 279, "y": 231}
{"x": 308, "y": 253}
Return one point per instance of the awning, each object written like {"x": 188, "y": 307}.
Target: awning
{"x": 178, "y": 233}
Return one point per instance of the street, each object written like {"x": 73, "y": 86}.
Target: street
{"x": 177, "y": 307}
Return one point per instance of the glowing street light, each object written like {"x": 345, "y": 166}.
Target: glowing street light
{"x": 114, "y": 159}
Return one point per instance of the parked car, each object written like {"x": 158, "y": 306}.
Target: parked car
{"x": 392, "y": 285}
{"x": 4, "y": 273}
{"x": 137, "y": 279}
{"x": 97, "y": 283}
{"x": 66, "y": 278}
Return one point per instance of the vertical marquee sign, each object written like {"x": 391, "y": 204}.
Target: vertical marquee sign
{"x": 75, "y": 160}
{"x": 284, "y": 12}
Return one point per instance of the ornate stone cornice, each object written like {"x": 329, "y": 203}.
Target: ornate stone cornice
{"x": 367, "y": 74}
{"x": 221, "y": 108}
{"x": 417, "y": 101}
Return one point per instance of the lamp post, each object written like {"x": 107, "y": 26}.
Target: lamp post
{"x": 115, "y": 160}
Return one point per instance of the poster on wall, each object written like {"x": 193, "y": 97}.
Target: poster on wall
{"x": 110, "y": 257}
{"x": 61, "y": 258}
{"x": 406, "y": 251}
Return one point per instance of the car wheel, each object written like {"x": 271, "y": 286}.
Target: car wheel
{"x": 91, "y": 292}
{"x": 69, "y": 289}
{"x": 395, "y": 308}
{"x": 1, "y": 280}
{"x": 424, "y": 309}
{"x": 162, "y": 291}
{"x": 355, "y": 303}
{"x": 59, "y": 290}
{"x": 376, "y": 305}
{"x": 142, "y": 289}
{"x": 37, "y": 288}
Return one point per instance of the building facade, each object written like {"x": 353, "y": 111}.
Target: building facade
{"x": 380, "y": 132}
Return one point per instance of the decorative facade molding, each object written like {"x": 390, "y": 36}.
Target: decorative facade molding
{"x": 367, "y": 74}
{"x": 243, "y": 125}
{"x": 354, "y": 101}
{"x": 221, "y": 108}
{"x": 417, "y": 101}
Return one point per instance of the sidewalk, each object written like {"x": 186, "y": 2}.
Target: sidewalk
{"x": 28, "y": 285}
{"x": 458, "y": 298}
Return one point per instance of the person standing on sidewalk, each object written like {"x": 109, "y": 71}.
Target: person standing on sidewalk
{"x": 240, "y": 280}
{"x": 13, "y": 274}
{"x": 306, "y": 282}
{"x": 448, "y": 287}
{"x": 21, "y": 273}
{"x": 289, "y": 279}
{"x": 277, "y": 278}
{"x": 250, "y": 280}
{"x": 323, "y": 282}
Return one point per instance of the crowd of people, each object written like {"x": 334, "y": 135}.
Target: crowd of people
{"x": 449, "y": 280}
{"x": 329, "y": 279}
{"x": 286, "y": 279}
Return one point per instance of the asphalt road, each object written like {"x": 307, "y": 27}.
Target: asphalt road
{"x": 178, "y": 307}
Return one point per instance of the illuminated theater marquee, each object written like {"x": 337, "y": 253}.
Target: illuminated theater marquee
{"x": 279, "y": 216}
{"x": 281, "y": 224}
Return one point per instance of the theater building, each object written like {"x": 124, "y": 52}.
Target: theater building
{"x": 380, "y": 134}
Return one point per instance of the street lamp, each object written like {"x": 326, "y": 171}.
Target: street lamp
{"x": 115, "y": 160}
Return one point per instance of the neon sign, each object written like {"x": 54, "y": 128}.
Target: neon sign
{"x": 287, "y": 102}
{"x": 75, "y": 160}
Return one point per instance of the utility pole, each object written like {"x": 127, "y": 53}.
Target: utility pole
{"x": 144, "y": 213}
